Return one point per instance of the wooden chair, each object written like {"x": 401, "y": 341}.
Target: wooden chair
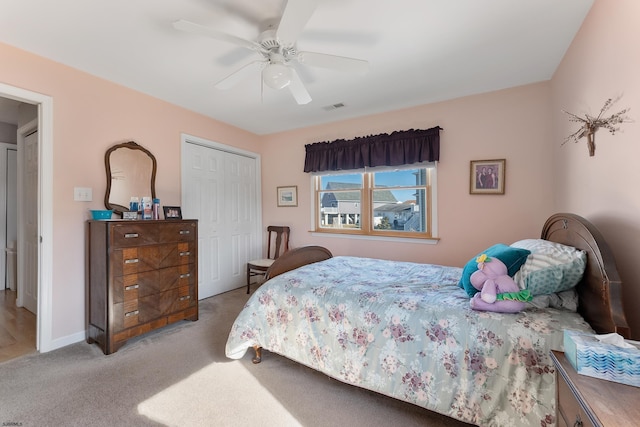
{"x": 258, "y": 267}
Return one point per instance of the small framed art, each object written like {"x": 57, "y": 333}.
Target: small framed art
{"x": 172, "y": 212}
{"x": 487, "y": 176}
{"x": 288, "y": 196}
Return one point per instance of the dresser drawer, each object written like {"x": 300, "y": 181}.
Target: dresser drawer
{"x": 570, "y": 413}
{"x": 128, "y": 314}
{"x": 146, "y": 258}
{"x": 137, "y": 285}
{"x": 125, "y": 235}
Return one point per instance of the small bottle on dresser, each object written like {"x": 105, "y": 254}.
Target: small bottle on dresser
{"x": 156, "y": 209}
{"x": 147, "y": 208}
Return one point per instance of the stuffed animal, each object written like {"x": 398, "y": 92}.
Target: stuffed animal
{"x": 498, "y": 291}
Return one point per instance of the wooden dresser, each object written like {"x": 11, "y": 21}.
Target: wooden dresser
{"x": 141, "y": 275}
{"x": 585, "y": 401}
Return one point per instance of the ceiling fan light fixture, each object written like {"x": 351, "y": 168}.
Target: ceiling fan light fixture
{"x": 276, "y": 75}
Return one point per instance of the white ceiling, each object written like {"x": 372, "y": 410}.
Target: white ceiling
{"x": 420, "y": 51}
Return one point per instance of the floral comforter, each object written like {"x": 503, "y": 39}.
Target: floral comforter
{"x": 406, "y": 330}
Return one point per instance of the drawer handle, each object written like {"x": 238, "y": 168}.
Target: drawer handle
{"x": 185, "y": 253}
{"x": 578, "y": 422}
{"x": 185, "y": 231}
{"x": 131, "y": 261}
{"x": 130, "y": 235}
{"x": 130, "y": 287}
{"x": 182, "y": 276}
{"x": 131, "y": 313}
{"x": 185, "y": 298}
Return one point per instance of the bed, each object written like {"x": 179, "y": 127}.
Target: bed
{"x": 406, "y": 330}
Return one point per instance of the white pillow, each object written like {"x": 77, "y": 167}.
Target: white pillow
{"x": 565, "y": 300}
{"x": 551, "y": 267}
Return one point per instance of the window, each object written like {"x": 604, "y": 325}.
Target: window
{"x": 380, "y": 201}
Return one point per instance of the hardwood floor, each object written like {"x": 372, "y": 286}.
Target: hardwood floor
{"x": 17, "y": 328}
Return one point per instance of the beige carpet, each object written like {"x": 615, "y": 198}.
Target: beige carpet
{"x": 179, "y": 376}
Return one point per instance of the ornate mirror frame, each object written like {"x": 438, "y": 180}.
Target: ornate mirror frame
{"x": 126, "y": 175}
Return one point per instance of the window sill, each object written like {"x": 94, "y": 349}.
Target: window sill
{"x": 420, "y": 241}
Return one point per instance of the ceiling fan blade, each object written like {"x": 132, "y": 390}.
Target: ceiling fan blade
{"x": 297, "y": 89}
{"x": 241, "y": 74}
{"x": 334, "y": 62}
{"x": 294, "y": 18}
{"x": 191, "y": 27}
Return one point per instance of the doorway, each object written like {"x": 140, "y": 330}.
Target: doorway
{"x": 43, "y": 201}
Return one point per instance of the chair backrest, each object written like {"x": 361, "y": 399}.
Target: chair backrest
{"x": 281, "y": 240}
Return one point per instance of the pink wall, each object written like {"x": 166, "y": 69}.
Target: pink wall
{"x": 512, "y": 124}
{"x": 524, "y": 125}
{"x": 603, "y": 62}
{"x": 90, "y": 115}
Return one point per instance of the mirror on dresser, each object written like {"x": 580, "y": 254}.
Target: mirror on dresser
{"x": 131, "y": 172}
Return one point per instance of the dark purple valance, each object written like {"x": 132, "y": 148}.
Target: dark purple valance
{"x": 395, "y": 149}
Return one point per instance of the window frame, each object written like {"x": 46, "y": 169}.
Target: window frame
{"x": 366, "y": 229}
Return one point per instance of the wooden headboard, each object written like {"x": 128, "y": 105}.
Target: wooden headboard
{"x": 600, "y": 290}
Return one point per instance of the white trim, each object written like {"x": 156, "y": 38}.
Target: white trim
{"x": 420, "y": 241}
{"x": 186, "y": 138}
{"x": 433, "y": 182}
{"x": 67, "y": 340}
{"x": 367, "y": 169}
{"x": 44, "y": 322}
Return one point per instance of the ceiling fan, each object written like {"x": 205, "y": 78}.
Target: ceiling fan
{"x": 278, "y": 51}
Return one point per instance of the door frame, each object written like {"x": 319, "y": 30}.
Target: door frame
{"x": 44, "y": 123}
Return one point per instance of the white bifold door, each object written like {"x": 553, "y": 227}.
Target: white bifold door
{"x": 220, "y": 189}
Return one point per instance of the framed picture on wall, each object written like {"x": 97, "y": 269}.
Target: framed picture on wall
{"x": 288, "y": 196}
{"x": 487, "y": 176}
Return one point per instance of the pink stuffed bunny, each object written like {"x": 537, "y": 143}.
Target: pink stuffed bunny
{"x": 498, "y": 291}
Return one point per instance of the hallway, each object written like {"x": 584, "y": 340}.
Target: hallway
{"x": 17, "y": 328}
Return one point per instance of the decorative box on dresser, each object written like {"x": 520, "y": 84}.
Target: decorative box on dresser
{"x": 142, "y": 275}
{"x": 585, "y": 401}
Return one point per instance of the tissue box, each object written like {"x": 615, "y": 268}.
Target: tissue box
{"x": 589, "y": 356}
{"x": 101, "y": 214}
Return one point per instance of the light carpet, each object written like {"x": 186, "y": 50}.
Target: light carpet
{"x": 179, "y": 376}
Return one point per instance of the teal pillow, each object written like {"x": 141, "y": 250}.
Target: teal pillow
{"x": 512, "y": 257}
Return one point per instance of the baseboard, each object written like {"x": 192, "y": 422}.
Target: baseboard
{"x": 64, "y": 341}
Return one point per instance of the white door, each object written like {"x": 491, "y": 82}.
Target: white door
{"x": 28, "y": 232}
{"x": 8, "y": 212}
{"x": 8, "y": 163}
{"x": 12, "y": 195}
{"x": 219, "y": 189}
{"x": 240, "y": 214}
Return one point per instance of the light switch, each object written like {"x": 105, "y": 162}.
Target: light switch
{"x": 82, "y": 194}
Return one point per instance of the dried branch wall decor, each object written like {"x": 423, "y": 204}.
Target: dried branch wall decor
{"x": 591, "y": 124}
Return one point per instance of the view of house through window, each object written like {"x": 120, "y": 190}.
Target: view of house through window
{"x": 385, "y": 202}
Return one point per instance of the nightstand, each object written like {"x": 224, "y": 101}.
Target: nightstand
{"x": 586, "y": 401}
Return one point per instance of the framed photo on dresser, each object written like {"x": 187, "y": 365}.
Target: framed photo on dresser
{"x": 172, "y": 212}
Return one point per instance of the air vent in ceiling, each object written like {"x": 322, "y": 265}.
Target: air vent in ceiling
{"x": 333, "y": 106}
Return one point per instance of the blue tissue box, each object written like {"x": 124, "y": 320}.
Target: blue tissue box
{"x": 596, "y": 359}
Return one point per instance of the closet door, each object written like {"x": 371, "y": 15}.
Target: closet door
{"x": 240, "y": 215}
{"x": 219, "y": 189}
